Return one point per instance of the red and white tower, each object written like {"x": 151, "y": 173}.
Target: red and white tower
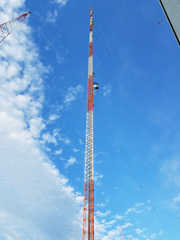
{"x": 7, "y": 27}
{"x": 88, "y": 207}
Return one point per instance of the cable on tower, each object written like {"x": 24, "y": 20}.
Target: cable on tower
{"x": 135, "y": 177}
{"x": 7, "y": 27}
{"x": 132, "y": 53}
{"x": 100, "y": 7}
{"x": 109, "y": 19}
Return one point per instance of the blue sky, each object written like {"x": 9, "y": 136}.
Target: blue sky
{"x": 43, "y": 77}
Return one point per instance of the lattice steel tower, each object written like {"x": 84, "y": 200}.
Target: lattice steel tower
{"x": 7, "y": 27}
{"x": 88, "y": 207}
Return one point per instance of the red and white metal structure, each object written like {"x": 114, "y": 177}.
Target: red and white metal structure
{"x": 88, "y": 207}
{"x": 122, "y": 233}
{"x": 7, "y": 27}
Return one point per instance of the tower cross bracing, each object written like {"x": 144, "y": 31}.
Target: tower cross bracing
{"x": 88, "y": 207}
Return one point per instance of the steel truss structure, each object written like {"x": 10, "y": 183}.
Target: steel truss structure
{"x": 88, "y": 207}
{"x": 7, "y": 27}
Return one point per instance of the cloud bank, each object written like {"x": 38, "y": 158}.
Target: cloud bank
{"x": 36, "y": 201}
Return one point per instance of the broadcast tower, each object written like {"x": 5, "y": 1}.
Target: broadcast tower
{"x": 88, "y": 207}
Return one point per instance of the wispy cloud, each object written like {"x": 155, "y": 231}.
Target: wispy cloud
{"x": 103, "y": 204}
{"x": 126, "y": 225}
{"x": 51, "y": 16}
{"x": 100, "y": 214}
{"x": 97, "y": 178}
{"x": 139, "y": 231}
{"x": 75, "y": 150}
{"x": 119, "y": 217}
{"x": 66, "y": 140}
{"x": 130, "y": 210}
{"x": 33, "y": 190}
{"x": 70, "y": 162}
{"x": 175, "y": 202}
{"x": 131, "y": 237}
{"x": 135, "y": 209}
{"x": 61, "y": 2}
{"x": 153, "y": 235}
{"x": 106, "y": 90}
{"x": 53, "y": 117}
{"x": 139, "y": 204}
{"x": 58, "y": 152}
{"x": 72, "y": 93}
{"x": 60, "y": 58}
{"x": 48, "y": 138}
{"x": 80, "y": 141}
{"x": 171, "y": 170}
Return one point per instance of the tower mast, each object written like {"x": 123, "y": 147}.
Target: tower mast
{"x": 88, "y": 207}
{"x": 7, "y": 27}
{"x": 122, "y": 233}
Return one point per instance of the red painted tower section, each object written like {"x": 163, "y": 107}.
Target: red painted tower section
{"x": 7, "y": 27}
{"x": 88, "y": 207}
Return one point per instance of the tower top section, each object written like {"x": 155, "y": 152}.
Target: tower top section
{"x": 91, "y": 19}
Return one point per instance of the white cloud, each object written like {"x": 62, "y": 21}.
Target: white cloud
{"x": 153, "y": 235}
{"x": 51, "y": 17}
{"x": 113, "y": 234}
{"x": 66, "y": 140}
{"x": 102, "y": 233}
{"x": 106, "y": 90}
{"x": 130, "y": 210}
{"x": 97, "y": 176}
{"x": 71, "y": 161}
{"x": 171, "y": 169}
{"x": 101, "y": 204}
{"x": 100, "y": 214}
{"x": 47, "y": 137}
{"x": 60, "y": 58}
{"x": 58, "y": 152}
{"x": 35, "y": 198}
{"x": 36, "y": 125}
{"x": 139, "y": 231}
{"x": 61, "y": 2}
{"x": 119, "y": 217}
{"x": 139, "y": 204}
{"x": 133, "y": 209}
{"x": 175, "y": 202}
{"x": 127, "y": 225}
{"x": 131, "y": 237}
{"x": 144, "y": 236}
{"x": 53, "y": 117}
{"x": 75, "y": 150}
{"x": 72, "y": 93}
{"x": 140, "y": 211}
